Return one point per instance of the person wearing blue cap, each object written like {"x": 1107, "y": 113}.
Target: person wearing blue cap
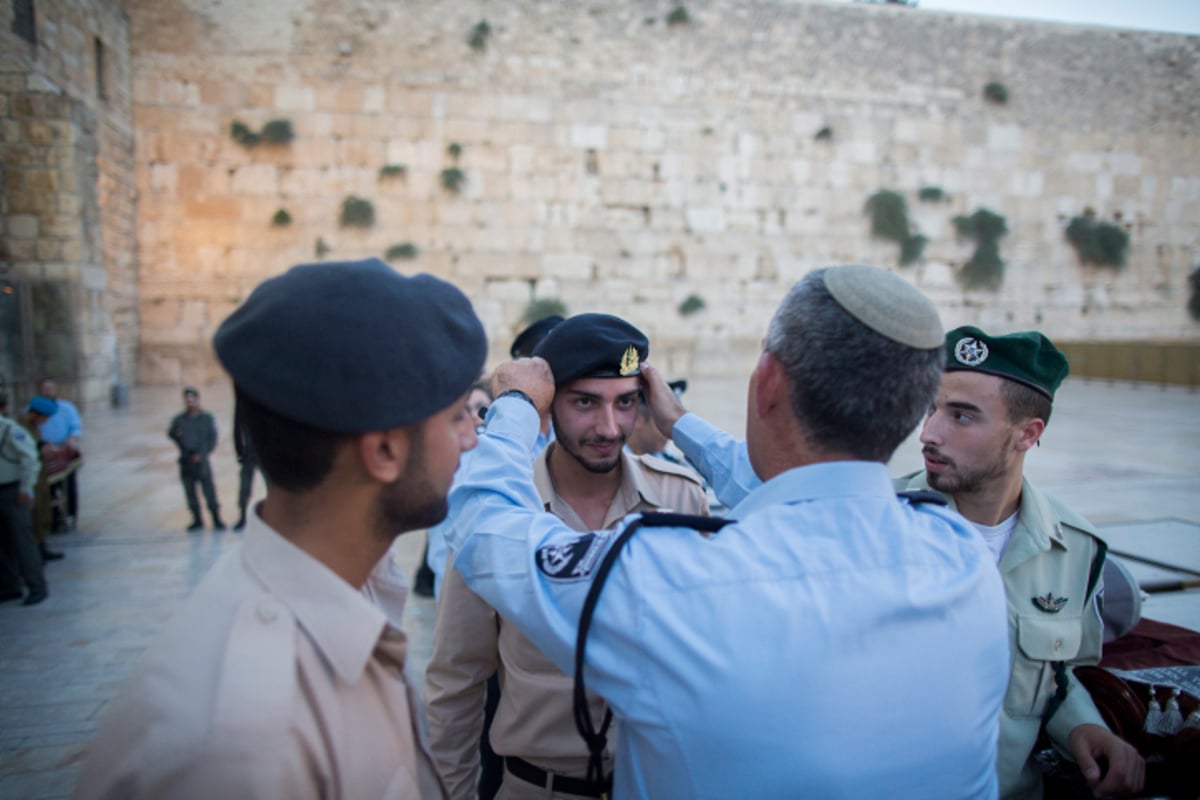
{"x": 587, "y": 479}
{"x": 284, "y": 674}
{"x": 20, "y": 466}
{"x": 828, "y": 638}
{"x": 991, "y": 410}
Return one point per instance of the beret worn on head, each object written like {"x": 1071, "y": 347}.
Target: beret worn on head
{"x": 1026, "y": 357}
{"x": 593, "y": 346}
{"x": 887, "y": 304}
{"x": 46, "y": 406}
{"x": 528, "y": 339}
{"x": 353, "y": 347}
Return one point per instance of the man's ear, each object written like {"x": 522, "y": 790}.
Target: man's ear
{"x": 384, "y": 454}
{"x": 768, "y": 383}
{"x": 1028, "y": 433}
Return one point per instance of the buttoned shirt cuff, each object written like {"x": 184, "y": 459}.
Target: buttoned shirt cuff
{"x": 1077, "y": 709}
{"x": 515, "y": 419}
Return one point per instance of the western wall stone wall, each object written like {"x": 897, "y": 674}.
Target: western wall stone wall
{"x": 67, "y": 212}
{"x": 616, "y": 162}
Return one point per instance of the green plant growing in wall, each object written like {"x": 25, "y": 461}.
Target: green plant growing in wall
{"x": 824, "y": 135}
{"x": 931, "y": 194}
{"x": 357, "y": 213}
{"x": 912, "y": 248}
{"x": 985, "y": 268}
{"x": 889, "y": 215}
{"x": 454, "y": 150}
{"x": 320, "y": 249}
{"x": 679, "y": 16}
{"x": 542, "y": 308}
{"x": 405, "y": 251}
{"x": 453, "y": 179}
{"x": 889, "y": 220}
{"x": 692, "y": 304}
{"x": 996, "y": 92}
{"x": 278, "y": 131}
{"x": 479, "y": 36}
{"x": 1098, "y": 243}
{"x": 1194, "y": 301}
{"x": 282, "y": 218}
{"x": 393, "y": 171}
{"x": 241, "y": 133}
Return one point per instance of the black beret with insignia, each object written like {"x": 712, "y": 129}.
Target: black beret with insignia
{"x": 528, "y": 339}
{"x": 353, "y": 347}
{"x": 593, "y": 346}
{"x": 1026, "y": 357}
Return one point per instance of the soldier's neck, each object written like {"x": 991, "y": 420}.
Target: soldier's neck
{"x": 589, "y": 493}
{"x": 992, "y": 503}
{"x": 334, "y": 528}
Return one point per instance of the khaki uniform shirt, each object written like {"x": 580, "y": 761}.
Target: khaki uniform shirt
{"x": 1052, "y": 551}
{"x": 535, "y": 719}
{"x": 277, "y": 679}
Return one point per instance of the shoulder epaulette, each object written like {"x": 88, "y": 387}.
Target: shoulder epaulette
{"x": 670, "y": 468}
{"x": 1071, "y": 518}
{"x": 258, "y": 670}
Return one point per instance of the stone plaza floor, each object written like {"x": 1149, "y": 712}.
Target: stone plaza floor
{"x": 1126, "y": 456}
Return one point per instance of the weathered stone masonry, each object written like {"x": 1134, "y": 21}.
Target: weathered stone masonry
{"x": 618, "y": 163}
{"x": 68, "y": 205}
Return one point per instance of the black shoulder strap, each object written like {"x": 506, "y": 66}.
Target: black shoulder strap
{"x": 597, "y": 739}
{"x": 918, "y": 496}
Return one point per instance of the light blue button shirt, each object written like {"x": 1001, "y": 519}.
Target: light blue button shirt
{"x": 833, "y": 642}
{"x": 64, "y": 424}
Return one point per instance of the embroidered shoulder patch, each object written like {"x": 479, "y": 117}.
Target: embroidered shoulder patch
{"x": 572, "y": 560}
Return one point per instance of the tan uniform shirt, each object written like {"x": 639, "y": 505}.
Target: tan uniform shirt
{"x": 534, "y": 720}
{"x": 1052, "y": 551}
{"x": 277, "y": 679}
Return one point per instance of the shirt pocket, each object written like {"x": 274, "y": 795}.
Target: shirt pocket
{"x": 1040, "y": 641}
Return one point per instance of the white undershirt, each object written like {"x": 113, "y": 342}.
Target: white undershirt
{"x": 997, "y": 536}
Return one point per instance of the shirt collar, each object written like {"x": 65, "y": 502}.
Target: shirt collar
{"x": 818, "y": 482}
{"x": 633, "y": 493}
{"x": 343, "y": 622}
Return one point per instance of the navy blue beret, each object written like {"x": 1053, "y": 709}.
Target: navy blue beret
{"x": 353, "y": 347}
{"x": 522, "y": 346}
{"x": 593, "y": 346}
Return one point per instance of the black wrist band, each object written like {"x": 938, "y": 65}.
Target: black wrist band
{"x": 520, "y": 394}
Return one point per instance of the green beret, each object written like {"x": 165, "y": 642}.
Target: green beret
{"x": 353, "y": 347}
{"x": 1026, "y": 357}
{"x": 593, "y": 346}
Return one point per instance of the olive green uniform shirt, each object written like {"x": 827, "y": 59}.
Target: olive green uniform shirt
{"x": 1051, "y": 556}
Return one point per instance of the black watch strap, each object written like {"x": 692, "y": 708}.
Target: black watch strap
{"x": 520, "y": 394}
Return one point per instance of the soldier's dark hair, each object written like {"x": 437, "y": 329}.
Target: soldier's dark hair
{"x": 1024, "y": 402}
{"x": 853, "y": 389}
{"x": 294, "y": 456}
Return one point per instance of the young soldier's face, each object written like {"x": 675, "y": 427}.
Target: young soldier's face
{"x": 968, "y": 438}
{"x": 592, "y": 419}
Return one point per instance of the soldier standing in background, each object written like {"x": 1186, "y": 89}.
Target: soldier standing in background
{"x": 194, "y": 432}
{"x": 248, "y": 461}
